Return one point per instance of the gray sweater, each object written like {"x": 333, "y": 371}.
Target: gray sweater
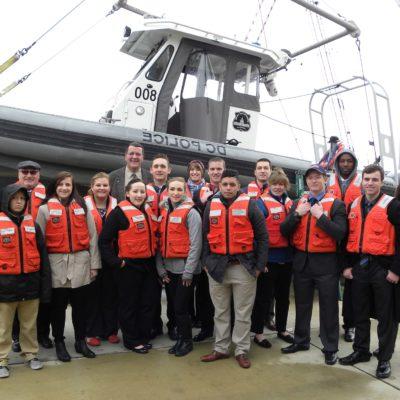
{"x": 186, "y": 266}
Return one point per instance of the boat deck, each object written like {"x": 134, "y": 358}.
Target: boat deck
{"x": 119, "y": 374}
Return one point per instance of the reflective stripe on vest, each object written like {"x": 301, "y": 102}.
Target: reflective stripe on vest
{"x": 377, "y": 234}
{"x": 38, "y": 194}
{"x": 254, "y": 191}
{"x": 352, "y": 192}
{"x": 277, "y": 213}
{"x": 15, "y": 260}
{"x": 238, "y": 237}
{"x": 205, "y": 193}
{"x": 175, "y": 240}
{"x": 66, "y": 228}
{"x": 91, "y": 205}
{"x": 154, "y": 199}
{"x": 139, "y": 240}
{"x": 308, "y": 236}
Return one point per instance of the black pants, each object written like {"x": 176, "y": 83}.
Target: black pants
{"x": 274, "y": 284}
{"x": 137, "y": 302}
{"x": 178, "y": 298}
{"x": 327, "y": 286}
{"x": 43, "y": 322}
{"x": 347, "y": 305}
{"x": 78, "y": 298}
{"x": 102, "y": 306}
{"x": 204, "y": 305}
{"x": 367, "y": 281}
{"x": 157, "y": 321}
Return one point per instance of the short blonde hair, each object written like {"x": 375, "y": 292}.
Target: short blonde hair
{"x": 99, "y": 175}
{"x": 278, "y": 176}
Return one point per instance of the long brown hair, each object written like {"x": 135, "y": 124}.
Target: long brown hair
{"x": 52, "y": 189}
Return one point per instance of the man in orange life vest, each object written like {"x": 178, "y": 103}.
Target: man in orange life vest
{"x": 345, "y": 184}
{"x": 235, "y": 252}
{"x": 204, "y": 305}
{"x": 29, "y": 178}
{"x": 373, "y": 264}
{"x": 316, "y": 223}
{"x": 157, "y": 192}
{"x": 262, "y": 171}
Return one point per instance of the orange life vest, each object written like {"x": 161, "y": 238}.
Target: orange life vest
{"x": 352, "y": 192}
{"x": 375, "y": 235}
{"x": 66, "y": 228}
{"x": 277, "y": 212}
{"x": 91, "y": 205}
{"x": 206, "y": 192}
{"x": 38, "y": 194}
{"x": 308, "y": 236}
{"x": 231, "y": 231}
{"x": 254, "y": 191}
{"x": 174, "y": 234}
{"x": 18, "y": 249}
{"x": 154, "y": 199}
{"x": 139, "y": 240}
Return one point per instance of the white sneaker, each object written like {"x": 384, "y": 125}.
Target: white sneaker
{"x": 35, "y": 364}
{"x": 4, "y": 372}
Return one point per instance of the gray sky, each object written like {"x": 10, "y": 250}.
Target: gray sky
{"x": 82, "y": 81}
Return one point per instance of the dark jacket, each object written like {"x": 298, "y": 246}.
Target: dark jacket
{"x": 336, "y": 227}
{"x": 25, "y": 286}
{"x": 117, "y": 182}
{"x": 216, "y": 264}
{"x": 108, "y": 240}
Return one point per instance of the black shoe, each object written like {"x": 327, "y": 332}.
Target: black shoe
{"x": 141, "y": 350}
{"x": 266, "y": 344}
{"x": 173, "y": 333}
{"x": 202, "y": 335}
{"x": 45, "y": 342}
{"x": 16, "y": 347}
{"x": 81, "y": 347}
{"x": 294, "y": 348}
{"x": 349, "y": 334}
{"x": 61, "y": 351}
{"x": 286, "y": 338}
{"x": 355, "y": 357}
{"x": 331, "y": 357}
{"x": 183, "y": 348}
{"x": 383, "y": 369}
{"x": 196, "y": 324}
{"x": 148, "y": 346}
{"x": 375, "y": 353}
{"x": 172, "y": 349}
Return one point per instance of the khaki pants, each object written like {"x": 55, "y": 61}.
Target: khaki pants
{"x": 239, "y": 283}
{"x": 27, "y": 313}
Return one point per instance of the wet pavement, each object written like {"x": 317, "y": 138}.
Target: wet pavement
{"x": 119, "y": 374}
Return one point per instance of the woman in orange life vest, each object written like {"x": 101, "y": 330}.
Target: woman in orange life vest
{"x": 71, "y": 241}
{"x": 103, "y": 309}
{"x": 178, "y": 259}
{"x": 24, "y": 276}
{"x": 133, "y": 225}
{"x": 275, "y": 283}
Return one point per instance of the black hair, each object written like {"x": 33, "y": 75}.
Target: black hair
{"x": 264, "y": 160}
{"x": 370, "y": 169}
{"x": 230, "y": 173}
{"x": 134, "y": 144}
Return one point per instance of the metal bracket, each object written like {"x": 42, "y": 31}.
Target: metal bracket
{"x": 384, "y": 128}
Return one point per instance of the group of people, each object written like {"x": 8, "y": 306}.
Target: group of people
{"x": 224, "y": 253}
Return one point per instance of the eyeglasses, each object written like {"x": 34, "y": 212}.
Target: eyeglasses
{"x": 29, "y": 171}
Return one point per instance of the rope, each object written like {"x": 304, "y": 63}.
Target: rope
{"x": 287, "y": 98}
{"x": 262, "y": 24}
{"x": 20, "y": 53}
{"x": 266, "y": 19}
{"x": 25, "y": 77}
{"x": 372, "y": 142}
{"x": 252, "y": 23}
{"x": 292, "y": 126}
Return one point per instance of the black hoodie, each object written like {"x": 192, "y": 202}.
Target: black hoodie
{"x": 25, "y": 286}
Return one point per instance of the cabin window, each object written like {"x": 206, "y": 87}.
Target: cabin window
{"x": 204, "y": 76}
{"x": 157, "y": 71}
{"x": 246, "y": 79}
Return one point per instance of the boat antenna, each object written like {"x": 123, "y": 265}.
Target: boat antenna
{"x": 124, "y": 4}
{"x": 20, "y": 53}
{"x": 25, "y": 77}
